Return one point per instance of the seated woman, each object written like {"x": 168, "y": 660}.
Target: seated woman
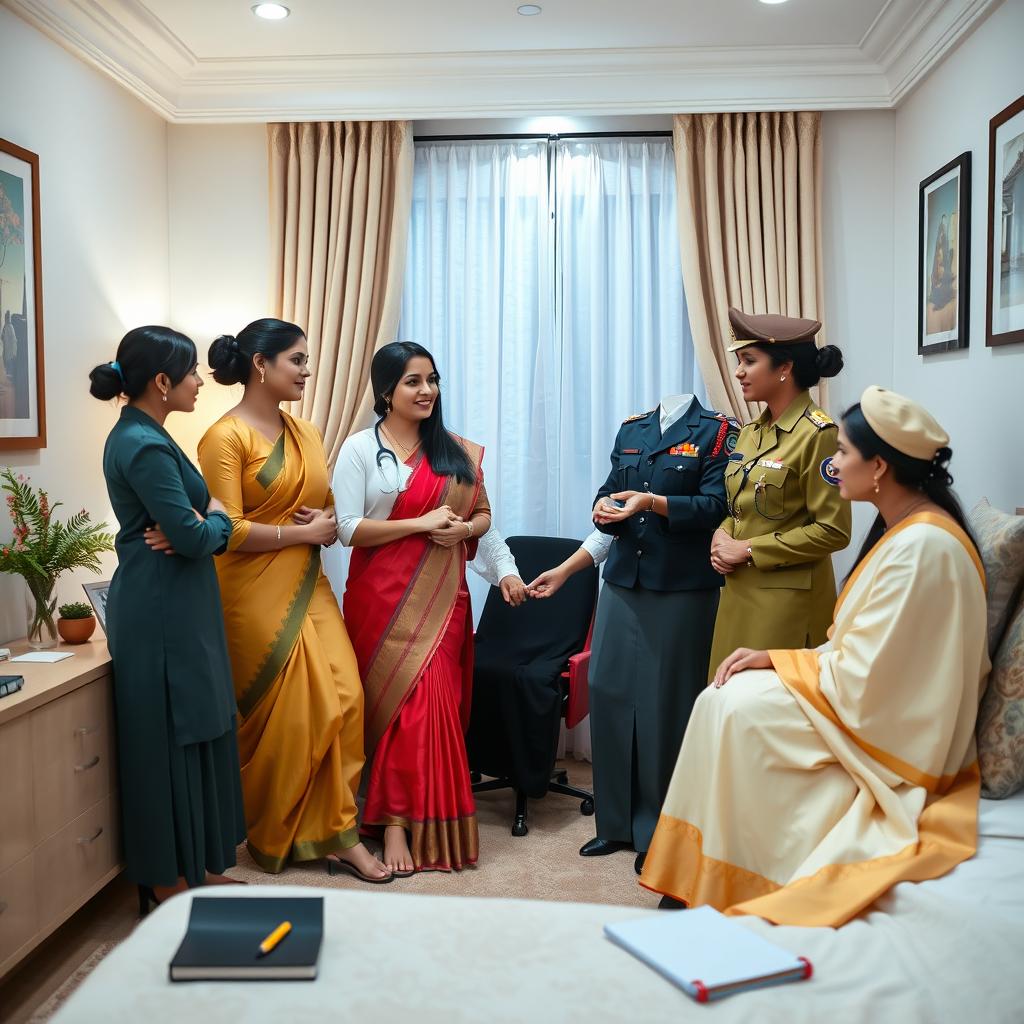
{"x": 810, "y": 782}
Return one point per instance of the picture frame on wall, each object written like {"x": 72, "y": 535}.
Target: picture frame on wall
{"x": 22, "y": 397}
{"x": 944, "y": 258}
{"x": 1005, "y": 300}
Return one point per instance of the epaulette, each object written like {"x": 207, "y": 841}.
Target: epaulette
{"x": 638, "y": 416}
{"x": 819, "y": 419}
{"x": 731, "y": 420}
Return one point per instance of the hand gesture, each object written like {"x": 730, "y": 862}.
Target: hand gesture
{"x": 156, "y": 539}
{"x": 605, "y": 511}
{"x": 438, "y": 519}
{"x": 322, "y": 529}
{"x": 739, "y": 661}
{"x": 304, "y": 515}
{"x": 727, "y": 553}
{"x": 513, "y": 590}
{"x": 449, "y": 536}
{"x": 547, "y": 584}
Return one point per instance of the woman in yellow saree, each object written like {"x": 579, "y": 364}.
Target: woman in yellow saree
{"x": 812, "y": 781}
{"x": 300, "y": 700}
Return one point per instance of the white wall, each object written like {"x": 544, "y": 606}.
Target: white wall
{"x": 219, "y": 247}
{"x": 103, "y": 218}
{"x": 973, "y": 393}
{"x": 857, "y": 249}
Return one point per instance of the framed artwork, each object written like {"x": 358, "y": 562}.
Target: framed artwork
{"x": 97, "y": 594}
{"x": 22, "y": 404}
{"x": 943, "y": 248}
{"x": 1005, "y": 319}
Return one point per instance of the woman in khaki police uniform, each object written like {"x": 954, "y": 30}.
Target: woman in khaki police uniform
{"x": 786, "y": 517}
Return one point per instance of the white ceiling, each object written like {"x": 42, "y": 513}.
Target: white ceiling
{"x": 212, "y": 60}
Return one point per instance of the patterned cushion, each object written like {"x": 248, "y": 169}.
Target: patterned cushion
{"x": 1001, "y": 717}
{"x": 1000, "y": 540}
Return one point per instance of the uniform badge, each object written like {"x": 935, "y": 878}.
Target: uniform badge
{"x": 829, "y": 473}
{"x": 688, "y": 449}
{"x": 770, "y": 463}
{"x": 630, "y": 451}
{"x": 638, "y": 416}
{"x": 736, "y": 456}
{"x": 730, "y": 442}
{"x": 820, "y": 419}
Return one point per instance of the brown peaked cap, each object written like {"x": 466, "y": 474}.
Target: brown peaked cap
{"x": 769, "y": 329}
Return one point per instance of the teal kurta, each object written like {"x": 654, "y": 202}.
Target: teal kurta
{"x": 181, "y": 800}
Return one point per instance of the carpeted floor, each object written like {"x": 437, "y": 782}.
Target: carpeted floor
{"x": 544, "y": 865}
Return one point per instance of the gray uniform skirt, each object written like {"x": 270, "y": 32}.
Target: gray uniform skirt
{"x": 648, "y": 664}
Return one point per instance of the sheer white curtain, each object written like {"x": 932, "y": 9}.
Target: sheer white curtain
{"x": 545, "y": 279}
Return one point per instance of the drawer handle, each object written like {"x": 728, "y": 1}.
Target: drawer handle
{"x": 85, "y": 840}
{"x": 88, "y": 764}
{"x": 86, "y": 731}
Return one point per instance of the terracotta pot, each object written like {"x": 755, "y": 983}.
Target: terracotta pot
{"x": 76, "y": 631}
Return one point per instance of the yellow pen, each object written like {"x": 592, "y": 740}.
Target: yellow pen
{"x": 268, "y": 944}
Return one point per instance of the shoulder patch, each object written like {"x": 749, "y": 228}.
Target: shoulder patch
{"x": 828, "y": 472}
{"x": 731, "y": 420}
{"x": 637, "y": 416}
{"x": 820, "y": 419}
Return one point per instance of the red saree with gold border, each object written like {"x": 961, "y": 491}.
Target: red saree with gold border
{"x": 408, "y": 615}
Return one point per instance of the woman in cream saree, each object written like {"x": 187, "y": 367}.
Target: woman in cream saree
{"x": 810, "y": 782}
{"x": 297, "y": 684}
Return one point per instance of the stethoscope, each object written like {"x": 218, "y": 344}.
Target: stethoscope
{"x": 394, "y": 483}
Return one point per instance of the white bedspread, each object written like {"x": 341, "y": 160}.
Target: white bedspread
{"x": 948, "y": 950}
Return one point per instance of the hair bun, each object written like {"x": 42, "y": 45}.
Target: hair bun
{"x": 829, "y": 360}
{"x": 938, "y": 470}
{"x": 227, "y": 360}
{"x": 105, "y": 382}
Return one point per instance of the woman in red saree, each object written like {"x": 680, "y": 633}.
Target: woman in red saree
{"x": 409, "y": 498}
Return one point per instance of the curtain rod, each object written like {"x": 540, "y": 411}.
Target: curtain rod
{"x": 538, "y": 136}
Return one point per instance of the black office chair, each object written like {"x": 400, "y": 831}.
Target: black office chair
{"x": 530, "y": 672}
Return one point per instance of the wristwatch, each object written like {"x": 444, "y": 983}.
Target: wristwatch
{"x": 750, "y": 555}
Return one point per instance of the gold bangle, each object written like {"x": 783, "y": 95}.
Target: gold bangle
{"x": 469, "y": 523}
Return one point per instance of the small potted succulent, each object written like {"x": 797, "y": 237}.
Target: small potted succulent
{"x": 76, "y": 623}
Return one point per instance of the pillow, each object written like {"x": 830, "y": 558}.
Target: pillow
{"x": 1001, "y": 716}
{"x": 1000, "y": 540}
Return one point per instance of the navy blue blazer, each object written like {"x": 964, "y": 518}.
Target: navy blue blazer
{"x": 687, "y": 466}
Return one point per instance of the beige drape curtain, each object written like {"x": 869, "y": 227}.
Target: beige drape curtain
{"x": 340, "y": 202}
{"x": 749, "y": 198}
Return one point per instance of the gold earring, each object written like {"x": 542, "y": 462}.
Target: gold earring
{"x": 387, "y": 404}
{"x": 263, "y": 375}
{"x": 165, "y": 396}
{"x": 876, "y": 487}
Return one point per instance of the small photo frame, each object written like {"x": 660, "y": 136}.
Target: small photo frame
{"x": 1005, "y": 299}
{"x": 97, "y": 594}
{"x": 944, "y": 258}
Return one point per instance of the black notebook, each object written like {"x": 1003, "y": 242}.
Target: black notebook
{"x": 224, "y": 935}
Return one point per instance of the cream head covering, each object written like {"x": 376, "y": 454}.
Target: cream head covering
{"x": 903, "y": 424}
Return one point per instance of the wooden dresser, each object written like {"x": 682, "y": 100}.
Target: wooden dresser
{"x": 59, "y": 823}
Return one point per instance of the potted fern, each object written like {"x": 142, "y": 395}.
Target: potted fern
{"x": 76, "y": 623}
{"x": 44, "y": 547}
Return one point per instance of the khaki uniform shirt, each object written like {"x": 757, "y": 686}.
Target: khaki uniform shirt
{"x": 783, "y": 499}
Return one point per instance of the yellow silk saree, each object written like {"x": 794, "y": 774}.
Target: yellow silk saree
{"x": 300, "y": 701}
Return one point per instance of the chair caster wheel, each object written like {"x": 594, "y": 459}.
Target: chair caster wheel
{"x": 562, "y": 778}
{"x": 587, "y": 807}
{"x": 519, "y": 828}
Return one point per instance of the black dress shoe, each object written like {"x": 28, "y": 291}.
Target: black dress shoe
{"x": 600, "y": 847}
{"x": 638, "y": 864}
{"x": 670, "y": 903}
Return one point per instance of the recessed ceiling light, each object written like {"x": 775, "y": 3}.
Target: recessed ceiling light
{"x": 773, "y": 1}
{"x": 271, "y": 12}
{"x": 528, "y": 10}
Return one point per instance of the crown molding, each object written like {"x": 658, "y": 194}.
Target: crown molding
{"x": 124, "y": 40}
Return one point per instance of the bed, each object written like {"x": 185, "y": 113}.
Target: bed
{"x": 950, "y": 949}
